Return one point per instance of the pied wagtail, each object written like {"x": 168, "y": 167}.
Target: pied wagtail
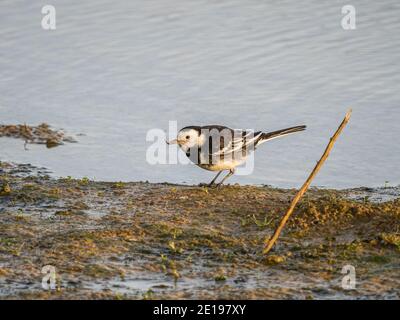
{"x": 219, "y": 148}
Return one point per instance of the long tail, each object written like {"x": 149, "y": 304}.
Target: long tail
{"x": 279, "y": 133}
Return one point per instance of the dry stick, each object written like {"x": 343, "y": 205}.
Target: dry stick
{"x": 271, "y": 241}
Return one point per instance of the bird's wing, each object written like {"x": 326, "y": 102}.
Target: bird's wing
{"x": 239, "y": 140}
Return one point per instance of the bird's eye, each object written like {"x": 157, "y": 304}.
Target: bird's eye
{"x": 187, "y": 137}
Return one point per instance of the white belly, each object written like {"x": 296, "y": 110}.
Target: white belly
{"x": 223, "y": 165}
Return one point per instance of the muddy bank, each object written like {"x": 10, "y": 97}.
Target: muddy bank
{"x": 41, "y": 134}
{"x": 142, "y": 241}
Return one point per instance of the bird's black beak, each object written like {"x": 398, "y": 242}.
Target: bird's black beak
{"x": 175, "y": 141}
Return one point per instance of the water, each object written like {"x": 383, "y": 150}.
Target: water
{"x": 114, "y": 70}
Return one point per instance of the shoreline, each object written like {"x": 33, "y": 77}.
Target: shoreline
{"x": 139, "y": 240}
{"x": 392, "y": 189}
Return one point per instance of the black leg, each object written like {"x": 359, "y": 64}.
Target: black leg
{"x": 213, "y": 180}
{"x": 231, "y": 172}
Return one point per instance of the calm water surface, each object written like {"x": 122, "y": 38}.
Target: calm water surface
{"x": 113, "y": 70}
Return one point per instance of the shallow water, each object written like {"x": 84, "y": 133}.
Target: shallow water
{"x": 112, "y": 71}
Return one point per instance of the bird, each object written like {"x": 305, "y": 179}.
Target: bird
{"x": 220, "y": 148}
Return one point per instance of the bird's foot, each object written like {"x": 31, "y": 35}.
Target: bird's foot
{"x": 212, "y": 185}
{"x": 204, "y": 185}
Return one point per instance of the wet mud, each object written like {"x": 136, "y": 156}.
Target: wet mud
{"x": 114, "y": 240}
{"x": 41, "y": 134}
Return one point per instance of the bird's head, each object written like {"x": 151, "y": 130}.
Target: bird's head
{"x": 187, "y": 138}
